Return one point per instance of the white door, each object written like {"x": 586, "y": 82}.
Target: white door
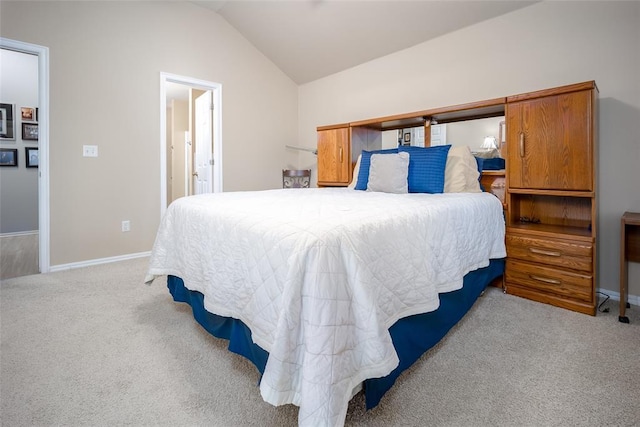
{"x": 438, "y": 135}
{"x": 203, "y": 153}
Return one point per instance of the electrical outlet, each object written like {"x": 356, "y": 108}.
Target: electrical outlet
{"x": 90, "y": 150}
{"x": 126, "y": 226}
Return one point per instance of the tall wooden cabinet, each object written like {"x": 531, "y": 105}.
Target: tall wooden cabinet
{"x": 334, "y": 155}
{"x": 551, "y": 196}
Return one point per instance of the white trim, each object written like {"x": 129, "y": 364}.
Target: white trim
{"x": 187, "y": 152}
{"x": 19, "y": 233}
{"x": 92, "y": 262}
{"x": 43, "y": 144}
{"x": 631, "y": 299}
{"x": 163, "y": 145}
{"x": 216, "y": 89}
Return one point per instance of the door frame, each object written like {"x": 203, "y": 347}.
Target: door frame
{"x": 42, "y": 53}
{"x": 216, "y": 89}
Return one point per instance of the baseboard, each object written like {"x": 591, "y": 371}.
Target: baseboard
{"x": 19, "y": 233}
{"x": 631, "y": 299}
{"x": 98, "y": 261}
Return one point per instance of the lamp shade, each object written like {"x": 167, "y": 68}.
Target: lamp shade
{"x": 490, "y": 143}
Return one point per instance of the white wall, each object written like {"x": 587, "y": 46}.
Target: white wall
{"x": 544, "y": 45}
{"x": 18, "y": 185}
{"x": 105, "y": 65}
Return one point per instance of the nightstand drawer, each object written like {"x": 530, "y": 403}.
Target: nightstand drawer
{"x": 550, "y": 280}
{"x": 573, "y": 255}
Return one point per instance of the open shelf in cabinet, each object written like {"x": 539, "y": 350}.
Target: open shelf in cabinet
{"x": 555, "y": 216}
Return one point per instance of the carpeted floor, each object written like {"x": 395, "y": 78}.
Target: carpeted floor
{"x": 97, "y": 347}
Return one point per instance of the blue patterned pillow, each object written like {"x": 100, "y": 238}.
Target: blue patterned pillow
{"x": 365, "y": 162}
{"x": 426, "y": 168}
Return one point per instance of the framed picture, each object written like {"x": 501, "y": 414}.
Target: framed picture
{"x": 30, "y": 131}
{"x": 8, "y": 157}
{"x": 7, "y": 123}
{"x": 407, "y": 137}
{"x": 28, "y": 114}
{"x": 31, "y": 154}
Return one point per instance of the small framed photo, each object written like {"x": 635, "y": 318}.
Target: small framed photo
{"x": 8, "y": 157}
{"x": 7, "y": 123}
{"x": 407, "y": 137}
{"x": 28, "y": 114}
{"x": 31, "y": 154}
{"x": 30, "y": 131}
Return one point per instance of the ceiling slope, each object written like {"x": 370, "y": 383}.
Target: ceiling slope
{"x": 311, "y": 39}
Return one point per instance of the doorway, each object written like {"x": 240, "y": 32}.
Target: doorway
{"x": 191, "y": 137}
{"x": 43, "y": 143}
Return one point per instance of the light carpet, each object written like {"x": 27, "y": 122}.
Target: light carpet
{"x": 97, "y": 347}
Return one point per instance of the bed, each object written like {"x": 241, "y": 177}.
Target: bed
{"x": 325, "y": 290}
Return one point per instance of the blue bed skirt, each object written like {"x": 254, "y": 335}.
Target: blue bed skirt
{"x": 412, "y": 336}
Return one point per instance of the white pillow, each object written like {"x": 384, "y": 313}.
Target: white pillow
{"x": 388, "y": 173}
{"x": 356, "y": 171}
{"x": 461, "y": 172}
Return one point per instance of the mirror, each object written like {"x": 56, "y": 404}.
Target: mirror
{"x": 472, "y": 133}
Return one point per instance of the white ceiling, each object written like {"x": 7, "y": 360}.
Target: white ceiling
{"x": 311, "y": 39}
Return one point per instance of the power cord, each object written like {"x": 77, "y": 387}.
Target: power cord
{"x": 606, "y": 309}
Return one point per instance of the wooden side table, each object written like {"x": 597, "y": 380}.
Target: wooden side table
{"x": 629, "y": 251}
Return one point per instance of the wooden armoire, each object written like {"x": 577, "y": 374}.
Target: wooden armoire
{"x": 551, "y": 196}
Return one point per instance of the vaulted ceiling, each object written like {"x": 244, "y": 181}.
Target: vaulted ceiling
{"x": 311, "y": 39}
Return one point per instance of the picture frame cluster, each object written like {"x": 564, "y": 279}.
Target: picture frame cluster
{"x": 28, "y": 118}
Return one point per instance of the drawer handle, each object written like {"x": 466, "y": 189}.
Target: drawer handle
{"x": 340, "y": 155}
{"x": 543, "y": 252}
{"x": 545, "y": 280}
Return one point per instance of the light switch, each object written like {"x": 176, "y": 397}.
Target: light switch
{"x": 90, "y": 151}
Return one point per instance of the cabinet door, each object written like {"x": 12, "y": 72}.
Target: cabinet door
{"x": 333, "y": 157}
{"x": 549, "y": 142}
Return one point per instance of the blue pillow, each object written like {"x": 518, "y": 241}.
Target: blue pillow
{"x": 426, "y": 168}
{"x": 365, "y": 162}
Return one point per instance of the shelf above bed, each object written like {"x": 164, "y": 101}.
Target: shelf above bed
{"x": 454, "y": 113}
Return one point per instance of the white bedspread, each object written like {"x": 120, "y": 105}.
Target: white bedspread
{"x": 319, "y": 275}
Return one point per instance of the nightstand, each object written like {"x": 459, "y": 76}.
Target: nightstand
{"x": 629, "y": 251}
